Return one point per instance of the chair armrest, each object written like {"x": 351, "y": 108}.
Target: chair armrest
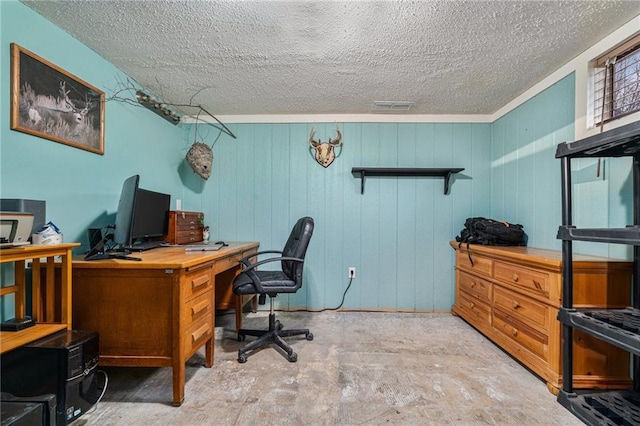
{"x": 245, "y": 260}
{"x": 272, "y": 259}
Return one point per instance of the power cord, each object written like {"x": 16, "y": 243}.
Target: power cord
{"x": 337, "y": 307}
{"x": 104, "y": 389}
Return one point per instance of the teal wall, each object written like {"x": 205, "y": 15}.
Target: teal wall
{"x": 396, "y": 234}
{"x": 82, "y": 188}
{"x": 526, "y": 183}
{"x": 525, "y": 175}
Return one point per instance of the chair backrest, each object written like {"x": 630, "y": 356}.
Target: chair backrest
{"x": 296, "y": 246}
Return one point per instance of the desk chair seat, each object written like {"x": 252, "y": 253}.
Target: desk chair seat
{"x": 271, "y": 283}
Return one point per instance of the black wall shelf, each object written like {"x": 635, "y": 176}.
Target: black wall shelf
{"x": 364, "y": 172}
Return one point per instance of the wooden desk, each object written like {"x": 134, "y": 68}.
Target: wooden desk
{"x": 159, "y": 311}
{"x": 49, "y": 315}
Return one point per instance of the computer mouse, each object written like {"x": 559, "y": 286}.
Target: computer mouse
{"x": 222, "y": 243}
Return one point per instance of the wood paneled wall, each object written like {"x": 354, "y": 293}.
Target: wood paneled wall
{"x": 396, "y": 234}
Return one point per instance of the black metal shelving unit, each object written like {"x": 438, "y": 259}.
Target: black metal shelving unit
{"x": 619, "y": 327}
{"x": 364, "y": 172}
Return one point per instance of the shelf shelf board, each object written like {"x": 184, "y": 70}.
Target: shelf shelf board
{"x": 619, "y": 142}
{"x": 612, "y": 407}
{"x": 10, "y": 340}
{"x": 629, "y": 235}
{"x": 619, "y": 327}
{"x": 364, "y": 172}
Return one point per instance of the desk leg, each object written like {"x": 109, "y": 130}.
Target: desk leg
{"x": 178, "y": 384}
{"x": 208, "y": 361}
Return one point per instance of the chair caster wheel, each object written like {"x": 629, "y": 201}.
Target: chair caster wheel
{"x": 242, "y": 358}
{"x": 309, "y": 336}
{"x": 292, "y": 357}
{"x": 241, "y": 337}
{"x": 279, "y": 325}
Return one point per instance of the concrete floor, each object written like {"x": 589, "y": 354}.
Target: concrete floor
{"x": 360, "y": 369}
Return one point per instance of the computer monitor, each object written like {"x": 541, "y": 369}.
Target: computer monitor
{"x": 150, "y": 215}
{"x": 124, "y": 215}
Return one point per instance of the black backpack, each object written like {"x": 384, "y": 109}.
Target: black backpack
{"x": 480, "y": 230}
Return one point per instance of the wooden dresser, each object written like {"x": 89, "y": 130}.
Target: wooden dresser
{"x": 512, "y": 296}
{"x": 185, "y": 227}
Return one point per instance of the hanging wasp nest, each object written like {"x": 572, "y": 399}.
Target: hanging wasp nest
{"x": 200, "y": 158}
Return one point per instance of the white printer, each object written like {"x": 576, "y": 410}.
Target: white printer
{"x": 15, "y": 228}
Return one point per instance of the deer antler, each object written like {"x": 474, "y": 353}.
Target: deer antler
{"x": 337, "y": 141}
{"x": 65, "y": 97}
{"x": 312, "y": 142}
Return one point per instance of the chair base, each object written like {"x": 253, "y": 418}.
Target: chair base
{"x": 273, "y": 335}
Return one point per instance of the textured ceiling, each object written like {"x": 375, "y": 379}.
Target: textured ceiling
{"x": 337, "y": 57}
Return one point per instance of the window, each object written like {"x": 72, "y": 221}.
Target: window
{"x": 617, "y": 82}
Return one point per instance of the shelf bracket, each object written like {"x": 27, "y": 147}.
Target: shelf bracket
{"x": 446, "y": 182}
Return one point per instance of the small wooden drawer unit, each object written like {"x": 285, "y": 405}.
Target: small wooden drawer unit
{"x": 512, "y": 296}
{"x": 185, "y": 227}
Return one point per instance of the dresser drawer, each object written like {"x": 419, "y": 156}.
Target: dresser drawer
{"x": 522, "y": 307}
{"x": 197, "y": 334}
{"x": 481, "y": 265}
{"x": 198, "y": 308}
{"x": 532, "y": 340}
{"x": 197, "y": 282}
{"x": 189, "y": 236}
{"x": 477, "y": 312}
{"x": 530, "y": 279}
{"x": 475, "y": 286}
{"x": 189, "y": 220}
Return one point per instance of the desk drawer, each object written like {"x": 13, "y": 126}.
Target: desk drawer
{"x": 531, "y": 279}
{"x": 227, "y": 263}
{"x": 197, "y": 282}
{"x": 198, "y": 308}
{"x": 481, "y": 265}
{"x": 197, "y": 335}
{"x": 475, "y": 286}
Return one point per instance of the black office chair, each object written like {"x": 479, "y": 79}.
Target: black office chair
{"x": 270, "y": 283}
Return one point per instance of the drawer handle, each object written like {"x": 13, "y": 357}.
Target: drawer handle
{"x": 514, "y": 332}
{"x": 515, "y": 304}
{"x": 202, "y": 331}
{"x": 515, "y": 277}
{"x": 199, "y": 282}
{"x": 200, "y": 307}
{"x": 471, "y": 305}
{"x": 473, "y": 284}
{"x": 537, "y": 284}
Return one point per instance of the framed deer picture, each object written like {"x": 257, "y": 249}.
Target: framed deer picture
{"x": 48, "y": 102}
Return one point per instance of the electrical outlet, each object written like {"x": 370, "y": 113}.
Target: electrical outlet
{"x": 352, "y": 271}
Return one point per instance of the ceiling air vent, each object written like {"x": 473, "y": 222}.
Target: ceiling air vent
{"x": 392, "y": 106}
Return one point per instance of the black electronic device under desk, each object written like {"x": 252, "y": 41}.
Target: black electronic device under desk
{"x": 63, "y": 364}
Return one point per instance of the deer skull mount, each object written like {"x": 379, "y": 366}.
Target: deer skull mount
{"x": 325, "y": 152}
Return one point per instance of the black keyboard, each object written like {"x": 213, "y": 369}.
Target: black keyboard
{"x": 146, "y": 245}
